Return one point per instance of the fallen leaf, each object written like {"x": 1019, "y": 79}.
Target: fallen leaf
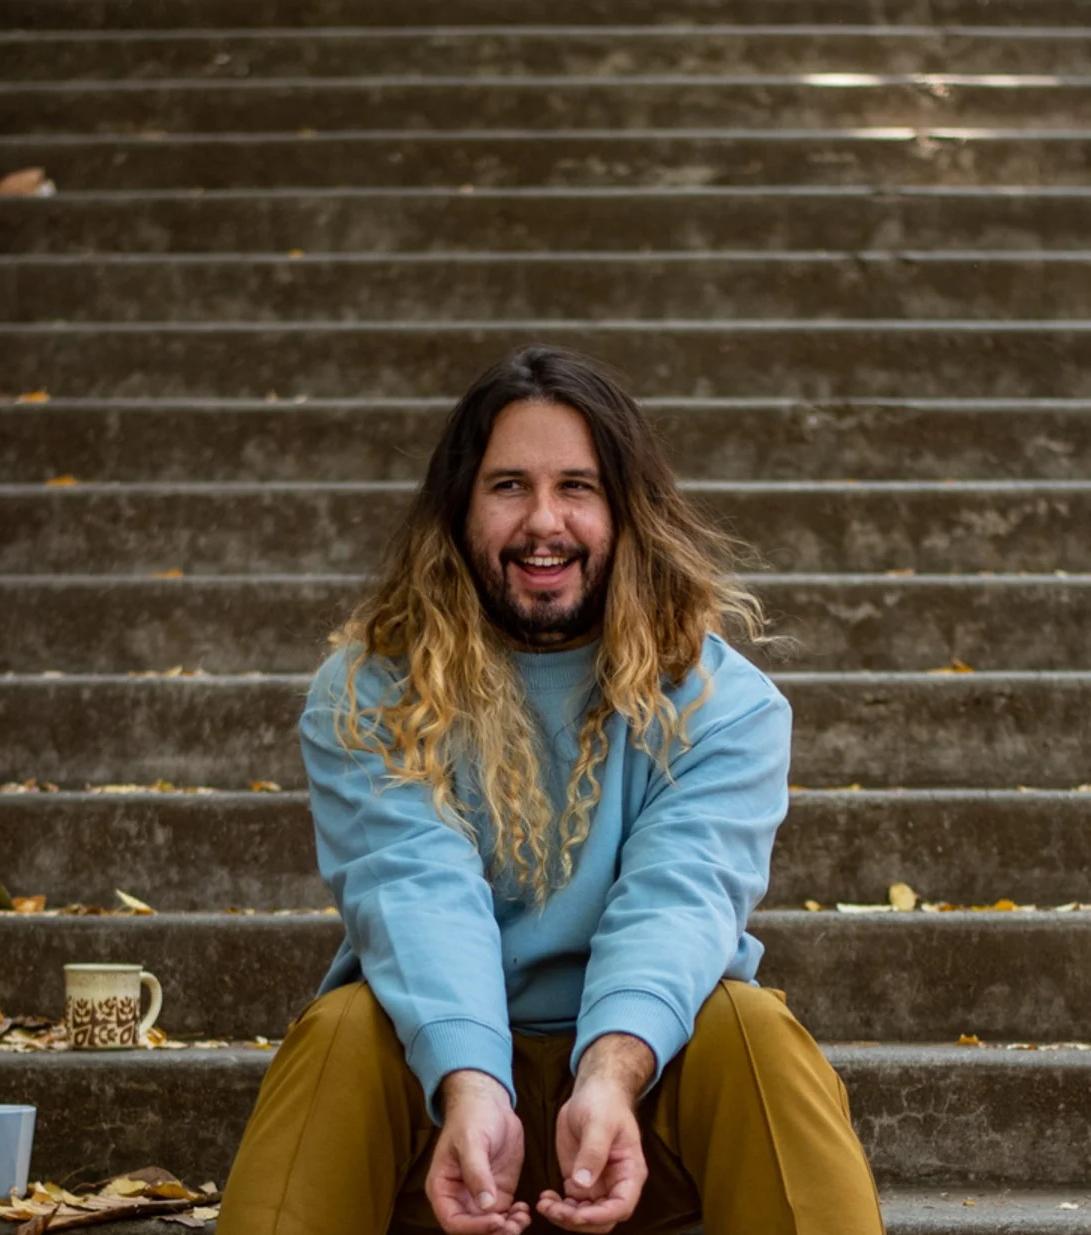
{"x": 62, "y": 482}
{"x": 27, "y": 182}
{"x": 130, "y": 902}
{"x": 813, "y": 906}
{"x": 844, "y": 907}
{"x": 28, "y": 904}
{"x": 902, "y": 896}
{"x": 1068, "y": 1205}
{"x": 207, "y": 1187}
{"x": 173, "y": 573}
{"x": 969, "y": 1039}
{"x": 956, "y": 666}
{"x": 265, "y": 786}
{"x": 124, "y": 1186}
{"x": 34, "y": 396}
{"x": 295, "y": 254}
{"x": 969, "y": 1201}
{"x": 907, "y": 570}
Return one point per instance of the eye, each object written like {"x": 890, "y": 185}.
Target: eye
{"x": 578, "y": 484}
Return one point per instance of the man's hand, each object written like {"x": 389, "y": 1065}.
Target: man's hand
{"x": 478, "y": 1156}
{"x": 598, "y": 1138}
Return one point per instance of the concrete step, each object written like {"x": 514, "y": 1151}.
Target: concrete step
{"x": 887, "y": 976}
{"x": 254, "y": 528}
{"x": 277, "y": 623}
{"x": 545, "y": 102}
{"x": 180, "y": 14}
{"x": 255, "y": 850}
{"x": 608, "y": 50}
{"x": 878, "y": 730}
{"x": 953, "y": 1210}
{"x": 785, "y": 360}
{"x": 500, "y": 286}
{"x": 632, "y": 158}
{"x": 926, "y": 1114}
{"x": 552, "y": 220}
{"x": 391, "y": 439}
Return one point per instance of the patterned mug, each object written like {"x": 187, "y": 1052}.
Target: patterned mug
{"x": 102, "y": 1006}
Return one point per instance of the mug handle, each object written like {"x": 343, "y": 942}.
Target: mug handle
{"x": 155, "y": 995}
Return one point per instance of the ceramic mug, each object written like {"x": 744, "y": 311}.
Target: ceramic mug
{"x": 102, "y": 1006}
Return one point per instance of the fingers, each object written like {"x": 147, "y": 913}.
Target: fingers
{"x": 457, "y": 1221}
{"x": 594, "y": 1217}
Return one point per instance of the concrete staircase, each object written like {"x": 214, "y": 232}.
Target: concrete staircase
{"x": 842, "y": 247}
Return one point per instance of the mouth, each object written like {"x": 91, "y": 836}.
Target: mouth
{"x": 544, "y": 570}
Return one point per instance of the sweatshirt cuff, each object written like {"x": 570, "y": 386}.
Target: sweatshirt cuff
{"x": 640, "y": 1014}
{"x": 446, "y": 1046}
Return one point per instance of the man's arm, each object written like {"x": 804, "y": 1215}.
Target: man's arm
{"x": 412, "y": 894}
{"x": 694, "y": 865}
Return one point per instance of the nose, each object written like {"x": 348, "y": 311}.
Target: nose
{"x": 544, "y": 516}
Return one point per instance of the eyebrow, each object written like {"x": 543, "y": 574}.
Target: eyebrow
{"x": 583, "y": 473}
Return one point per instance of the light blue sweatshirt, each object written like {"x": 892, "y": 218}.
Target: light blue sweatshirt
{"x": 654, "y": 915}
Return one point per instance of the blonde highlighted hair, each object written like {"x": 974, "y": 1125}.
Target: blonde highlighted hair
{"x": 462, "y": 700}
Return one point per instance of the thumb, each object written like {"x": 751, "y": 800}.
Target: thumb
{"x": 591, "y": 1157}
{"x": 477, "y": 1175}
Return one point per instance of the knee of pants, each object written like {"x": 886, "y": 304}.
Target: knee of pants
{"x": 352, "y": 1008}
{"x": 737, "y": 1010}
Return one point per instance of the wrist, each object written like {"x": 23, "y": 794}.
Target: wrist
{"x": 470, "y": 1083}
{"x": 619, "y": 1060}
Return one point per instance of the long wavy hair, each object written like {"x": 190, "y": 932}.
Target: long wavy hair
{"x": 462, "y": 699}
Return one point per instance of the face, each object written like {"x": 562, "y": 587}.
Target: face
{"x": 538, "y": 495}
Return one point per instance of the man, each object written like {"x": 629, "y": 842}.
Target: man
{"x": 545, "y": 790}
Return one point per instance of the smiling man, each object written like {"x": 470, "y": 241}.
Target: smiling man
{"x": 545, "y": 789}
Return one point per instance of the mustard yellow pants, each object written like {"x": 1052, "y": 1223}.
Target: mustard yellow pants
{"x": 747, "y": 1131}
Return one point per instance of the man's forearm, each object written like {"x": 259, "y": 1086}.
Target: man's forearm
{"x": 618, "y": 1057}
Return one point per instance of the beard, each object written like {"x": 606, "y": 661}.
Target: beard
{"x": 543, "y": 619}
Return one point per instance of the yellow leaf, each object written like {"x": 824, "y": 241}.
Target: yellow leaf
{"x": 813, "y": 906}
{"x": 265, "y": 786}
{"x": 33, "y": 396}
{"x": 969, "y": 1039}
{"x": 956, "y": 666}
{"x": 62, "y": 482}
{"x": 173, "y": 573}
{"x": 124, "y": 1187}
{"x": 906, "y": 570}
{"x": 295, "y": 254}
{"x": 902, "y": 896}
{"x": 172, "y": 1190}
{"x": 130, "y": 902}
{"x": 28, "y": 904}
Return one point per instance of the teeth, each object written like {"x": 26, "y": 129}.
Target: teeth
{"x": 544, "y": 561}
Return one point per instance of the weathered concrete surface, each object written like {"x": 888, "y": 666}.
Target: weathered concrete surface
{"x": 976, "y": 730}
{"x": 890, "y": 977}
{"x": 87, "y": 624}
{"x": 906, "y": 1211}
{"x": 924, "y": 1113}
{"x": 543, "y": 286}
{"x": 253, "y": 528}
{"x": 178, "y": 14}
{"x": 902, "y": 156}
{"x": 256, "y": 850}
{"x": 36, "y": 56}
{"x": 201, "y": 105}
{"x": 727, "y": 439}
{"x": 177, "y": 851}
{"x": 786, "y": 360}
{"x": 850, "y": 217}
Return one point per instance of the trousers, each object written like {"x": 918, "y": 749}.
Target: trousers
{"x": 747, "y": 1130}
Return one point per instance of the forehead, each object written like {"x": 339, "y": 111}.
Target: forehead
{"x": 532, "y": 432}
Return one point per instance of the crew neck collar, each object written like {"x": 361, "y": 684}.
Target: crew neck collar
{"x": 546, "y": 670}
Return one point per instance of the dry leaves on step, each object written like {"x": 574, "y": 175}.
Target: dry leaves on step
{"x": 33, "y": 397}
{"x": 27, "y": 182}
{"x": 131, "y": 902}
{"x": 29, "y": 786}
{"x": 147, "y": 1192}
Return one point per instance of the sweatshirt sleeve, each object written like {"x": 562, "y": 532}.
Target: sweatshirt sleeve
{"x": 694, "y": 865}
{"x": 413, "y": 897}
